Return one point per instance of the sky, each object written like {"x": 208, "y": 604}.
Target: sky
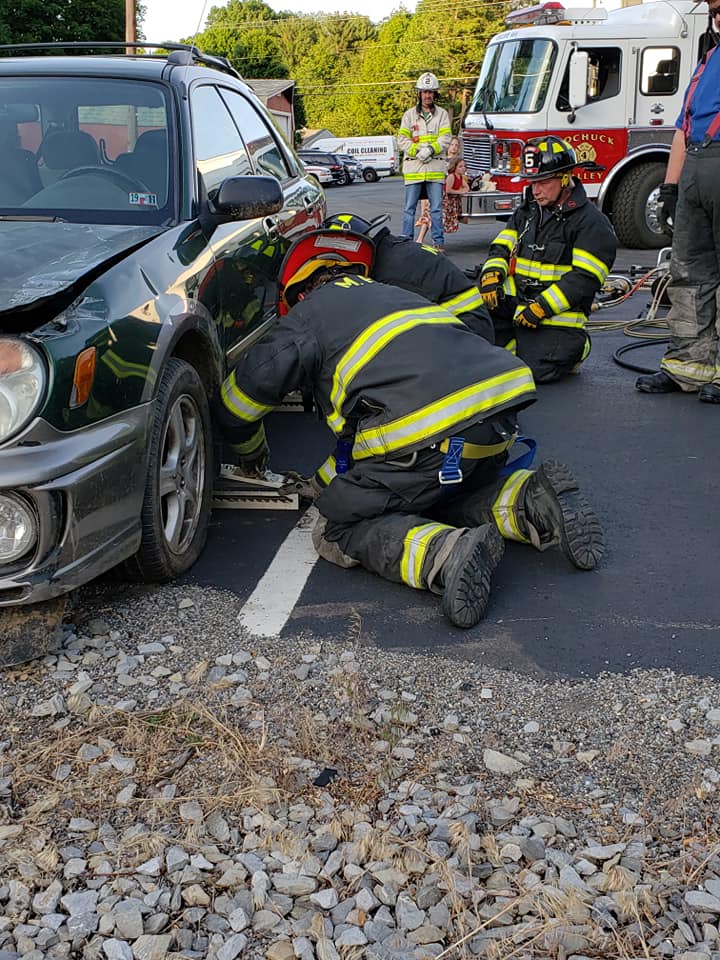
{"x": 175, "y": 19}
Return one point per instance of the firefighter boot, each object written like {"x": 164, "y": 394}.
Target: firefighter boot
{"x": 560, "y": 515}
{"x": 467, "y": 572}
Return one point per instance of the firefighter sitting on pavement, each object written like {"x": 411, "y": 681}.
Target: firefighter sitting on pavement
{"x": 424, "y": 412}
{"x": 420, "y": 269}
{"x": 545, "y": 267}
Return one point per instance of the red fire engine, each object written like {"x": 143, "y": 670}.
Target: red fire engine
{"x": 611, "y": 84}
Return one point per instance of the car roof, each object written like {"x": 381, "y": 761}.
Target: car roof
{"x": 189, "y": 61}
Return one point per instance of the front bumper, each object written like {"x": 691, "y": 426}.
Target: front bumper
{"x": 489, "y": 204}
{"x": 86, "y": 489}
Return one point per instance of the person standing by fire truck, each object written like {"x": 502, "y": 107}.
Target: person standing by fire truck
{"x": 544, "y": 269}
{"x": 690, "y": 200}
{"x": 424, "y": 137}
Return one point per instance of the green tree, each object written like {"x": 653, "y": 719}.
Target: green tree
{"x": 49, "y": 21}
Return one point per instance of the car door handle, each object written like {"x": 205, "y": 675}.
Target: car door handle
{"x": 272, "y": 227}
{"x": 311, "y": 204}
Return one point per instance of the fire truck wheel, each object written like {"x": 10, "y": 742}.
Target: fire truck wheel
{"x": 636, "y": 212}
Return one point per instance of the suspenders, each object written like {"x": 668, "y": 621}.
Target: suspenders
{"x": 715, "y": 125}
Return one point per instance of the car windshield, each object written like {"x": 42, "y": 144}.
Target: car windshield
{"x": 85, "y": 149}
{"x": 515, "y": 76}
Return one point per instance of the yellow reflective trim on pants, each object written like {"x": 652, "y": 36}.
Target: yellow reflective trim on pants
{"x": 440, "y": 417}
{"x": 504, "y": 509}
{"x": 584, "y": 260}
{"x": 253, "y": 444}
{"x": 240, "y": 403}
{"x": 691, "y": 370}
{"x": 415, "y": 546}
{"x": 369, "y": 344}
{"x": 569, "y": 318}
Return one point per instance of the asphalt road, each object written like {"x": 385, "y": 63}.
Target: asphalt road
{"x": 649, "y": 465}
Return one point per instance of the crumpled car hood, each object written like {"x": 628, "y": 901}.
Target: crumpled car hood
{"x": 38, "y": 259}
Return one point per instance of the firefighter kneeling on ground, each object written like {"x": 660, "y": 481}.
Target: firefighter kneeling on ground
{"x": 424, "y": 413}
{"x": 544, "y": 269}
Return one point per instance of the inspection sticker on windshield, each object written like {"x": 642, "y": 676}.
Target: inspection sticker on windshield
{"x": 143, "y": 199}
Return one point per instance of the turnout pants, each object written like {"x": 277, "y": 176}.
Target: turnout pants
{"x": 692, "y": 357}
{"x": 550, "y": 351}
{"x": 397, "y": 520}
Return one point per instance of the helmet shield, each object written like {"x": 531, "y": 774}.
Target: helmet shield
{"x": 546, "y": 157}
{"x": 323, "y": 248}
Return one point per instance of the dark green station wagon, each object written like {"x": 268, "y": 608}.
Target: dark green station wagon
{"x": 146, "y": 202}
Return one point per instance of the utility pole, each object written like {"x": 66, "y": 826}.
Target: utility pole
{"x": 130, "y": 17}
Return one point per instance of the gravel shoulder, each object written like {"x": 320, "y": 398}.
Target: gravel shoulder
{"x": 170, "y": 786}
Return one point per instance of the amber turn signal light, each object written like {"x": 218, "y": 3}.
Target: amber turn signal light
{"x": 83, "y": 377}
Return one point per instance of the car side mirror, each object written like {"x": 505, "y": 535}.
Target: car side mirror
{"x": 244, "y": 198}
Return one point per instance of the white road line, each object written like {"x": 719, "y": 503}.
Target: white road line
{"x": 272, "y": 601}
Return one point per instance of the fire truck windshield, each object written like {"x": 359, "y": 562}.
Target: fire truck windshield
{"x": 515, "y": 77}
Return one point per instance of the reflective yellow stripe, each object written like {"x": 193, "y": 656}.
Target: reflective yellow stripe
{"x": 496, "y": 263}
{"x": 504, "y": 509}
{"x": 480, "y": 451}
{"x": 542, "y": 272}
{"x": 240, "y": 404}
{"x": 439, "y": 418}
{"x": 253, "y": 444}
{"x": 415, "y": 546}
{"x": 404, "y": 132}
{"x": 568, "y": 318}
{"x": 428, "y": 175}
{"x": 326, "y": 472}
{"x": 584, "y": 260}
{"x": 690, "y": 370}
{"x": 467, "y": 300}
{"x": 443, "y": 130}
{"x": 511, "y": 347}
{"x": 367, "y": 346}
{"x": 510, "y": 287}
{"x": 554, "y": 299}
{"x": 506, "y": 238}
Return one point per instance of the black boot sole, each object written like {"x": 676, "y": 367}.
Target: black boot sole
{"x": 581, "y": 536}
{"x": 467, "y": 590}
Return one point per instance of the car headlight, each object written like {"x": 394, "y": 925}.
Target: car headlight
{"x": 22, "y": 384}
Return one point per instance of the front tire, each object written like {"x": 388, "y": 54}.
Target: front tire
{"x": 178, "y": 486}
{"x": 636, "y": 213}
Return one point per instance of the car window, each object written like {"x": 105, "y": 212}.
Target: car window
{"x": 91, "y": 152}
{"x": 219, "y": 148}
{"x": 264, "y": 149}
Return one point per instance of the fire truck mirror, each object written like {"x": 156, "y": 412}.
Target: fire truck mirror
{"x": 578, "y": 87}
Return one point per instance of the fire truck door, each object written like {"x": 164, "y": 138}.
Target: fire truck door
{"x": 658, "y": 96}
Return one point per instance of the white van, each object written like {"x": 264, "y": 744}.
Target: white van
{"x": 378, "y": 156}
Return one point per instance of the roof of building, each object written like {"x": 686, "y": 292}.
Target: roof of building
{"x": 269, "y": 88}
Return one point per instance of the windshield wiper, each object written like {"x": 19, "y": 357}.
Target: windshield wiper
{"x": 34, "y": 217}
{"x": 483, "y": 107}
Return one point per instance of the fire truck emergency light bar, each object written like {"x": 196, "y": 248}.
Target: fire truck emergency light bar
{"x": 553, "y": 12}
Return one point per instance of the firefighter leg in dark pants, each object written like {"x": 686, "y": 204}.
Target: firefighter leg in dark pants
{"x": 541, "y": 507}
{"x": 691, "y": 359}
{"x": 550, "y": 351}
{"x": 380, "y": 515}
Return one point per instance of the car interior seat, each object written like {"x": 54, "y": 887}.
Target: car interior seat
{"x": 664, "y": 80}
{"x": 148, "y": 162}
{"x": 19, "y": 176}
{"x": 65, "y": 150}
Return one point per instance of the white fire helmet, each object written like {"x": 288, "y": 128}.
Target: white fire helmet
{"x": 427, "y": 81}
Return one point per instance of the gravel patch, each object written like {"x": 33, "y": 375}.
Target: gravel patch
{"x": 172, "y": 787}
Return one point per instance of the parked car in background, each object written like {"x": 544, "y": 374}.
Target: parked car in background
{"x": 342, "y": 175}
{"x": 146, "y": 203}
{"x": 378, "y": 156}
{"x": 322, "y": 174}
{"x": 353, "y": 164}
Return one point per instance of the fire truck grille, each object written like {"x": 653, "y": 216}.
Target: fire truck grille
{"x": 477, "y": 153}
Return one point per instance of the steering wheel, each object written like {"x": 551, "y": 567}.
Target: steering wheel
{"x": 123, "y": 180}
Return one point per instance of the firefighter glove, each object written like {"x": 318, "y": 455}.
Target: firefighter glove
{"x": 530, "y": 315}
{"x": 491, "y": 282}
{"x": 668, "y": 197}
{"x": 425, "y": 153}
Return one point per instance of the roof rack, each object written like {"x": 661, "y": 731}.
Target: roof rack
{"x": 180, "y": 53}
